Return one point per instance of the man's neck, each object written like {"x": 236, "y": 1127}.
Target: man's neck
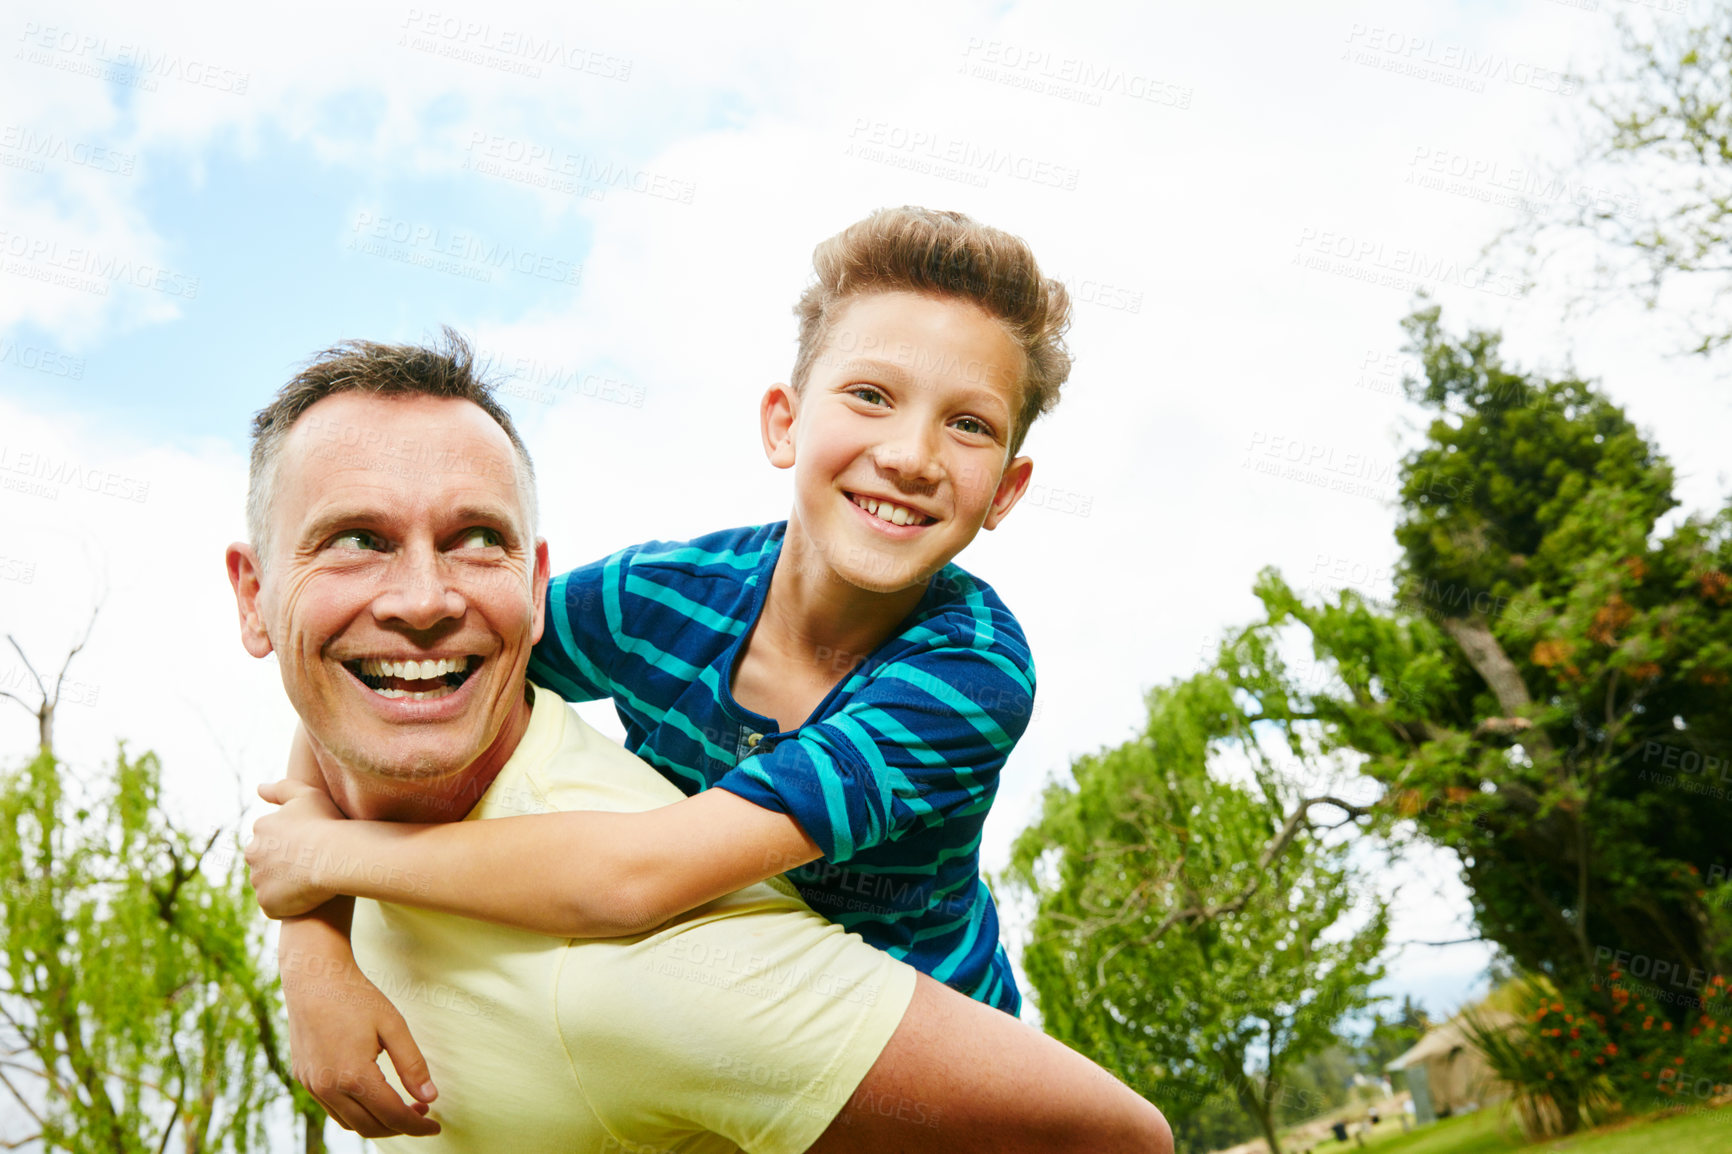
{"x": 377, "y": 797}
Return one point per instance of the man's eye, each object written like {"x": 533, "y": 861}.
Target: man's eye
{"x": 481, "y": 538}
{"x": 356, "y": 539}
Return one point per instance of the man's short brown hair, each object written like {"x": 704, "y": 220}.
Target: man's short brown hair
{"x": 445, "y": 370}
{"x": 944, "y": 254}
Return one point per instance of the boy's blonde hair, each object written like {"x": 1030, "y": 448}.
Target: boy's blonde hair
{"x": 944, "y": 254}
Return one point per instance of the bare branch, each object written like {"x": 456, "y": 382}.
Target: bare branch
{"x": 82, "y": 641}
{"x": 43, "y": 689}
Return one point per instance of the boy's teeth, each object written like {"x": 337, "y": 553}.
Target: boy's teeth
{"x": 413, "y": 670}
{"x": 885, "y": 511}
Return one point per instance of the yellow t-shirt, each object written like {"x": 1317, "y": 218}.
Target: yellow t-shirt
{"x": 746, "y": 1023}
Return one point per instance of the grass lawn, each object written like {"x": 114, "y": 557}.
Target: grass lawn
{"x": 1492, "y": 1131}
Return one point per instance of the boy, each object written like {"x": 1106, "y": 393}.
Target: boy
{"x": 852, "y": 693}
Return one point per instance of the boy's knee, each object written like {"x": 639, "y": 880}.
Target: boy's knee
{"x": 1140, "y": 1130}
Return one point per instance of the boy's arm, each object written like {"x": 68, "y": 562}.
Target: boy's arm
{"x": 579, "y": 874}
{"x": 922, "y": 741}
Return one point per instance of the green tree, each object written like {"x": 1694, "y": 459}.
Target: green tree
{"x": 133, "y": 994}
{"x": 1555, "y": 665}
{"x": 1391, "y": 1036}
{"x": 1192, "y": 935}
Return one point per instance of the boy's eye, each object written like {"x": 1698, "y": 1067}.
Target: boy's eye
{"x": 356, "y": 539}
{"x": 974, "y": 425}
{"x": 481, "y": 537}
{"x": 868, "y": 394}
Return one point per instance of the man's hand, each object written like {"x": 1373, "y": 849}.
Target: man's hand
{"x": 338, "y": 1024}
{"x": 287, "y": 845}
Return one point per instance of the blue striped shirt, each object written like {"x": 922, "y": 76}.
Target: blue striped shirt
{"x": 892, "y": 775}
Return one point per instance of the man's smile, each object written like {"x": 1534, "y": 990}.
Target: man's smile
{"x": 414, "y": 679}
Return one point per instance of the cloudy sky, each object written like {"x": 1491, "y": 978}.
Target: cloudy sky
{"x": 619, "y": 204}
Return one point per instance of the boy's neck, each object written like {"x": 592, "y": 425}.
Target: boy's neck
{"x": 811, "y": 613}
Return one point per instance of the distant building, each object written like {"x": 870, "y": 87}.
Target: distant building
{"x": 1447, "y": 1074}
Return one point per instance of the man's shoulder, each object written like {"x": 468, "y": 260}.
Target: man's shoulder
{"x": 568, "y": 764}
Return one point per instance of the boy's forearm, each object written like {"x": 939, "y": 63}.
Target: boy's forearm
{"x": 561, "y": 874}
{"x": 580, "y": 874}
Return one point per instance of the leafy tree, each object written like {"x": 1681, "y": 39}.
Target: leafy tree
{"x": 1391, "y": 1036}
{"x": 133, "y": 998}
{"x": 1192, "y": 935}
{"x": 1660, "y": 126}
{"x": 1551, "y": 654}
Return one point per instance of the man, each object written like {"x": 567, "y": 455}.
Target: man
{"x": 395, "y": 571}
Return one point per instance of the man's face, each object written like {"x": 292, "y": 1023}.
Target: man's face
{"x": 404, "y": 592}
{"x": 900, "y": 440}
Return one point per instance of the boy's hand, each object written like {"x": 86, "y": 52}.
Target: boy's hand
{"x": 286, "y": 847}
{"x": 338, "y": 1024}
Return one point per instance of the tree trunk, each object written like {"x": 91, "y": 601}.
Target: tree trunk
{"x": 313, "y": 1121}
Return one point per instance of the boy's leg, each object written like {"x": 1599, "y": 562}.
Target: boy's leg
{"x": 959, "y": 1077}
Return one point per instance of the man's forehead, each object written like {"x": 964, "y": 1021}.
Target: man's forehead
{"x": 359, "y": 419}
{"x": 430, "y": 446}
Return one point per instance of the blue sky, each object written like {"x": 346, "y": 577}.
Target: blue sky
{"x": 1241, "y": 197}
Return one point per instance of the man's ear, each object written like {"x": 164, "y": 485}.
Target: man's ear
{"x": 776, "y": 418}
{"x": 1011, "y": 487}
{"x": 538, "y": 590}
{"x": 244, "y": 576}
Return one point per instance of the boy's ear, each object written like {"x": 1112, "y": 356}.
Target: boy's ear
{"x": 1011, "y": 487}
{"x": 776, "y": 415}
{"x": 244, "y": 577}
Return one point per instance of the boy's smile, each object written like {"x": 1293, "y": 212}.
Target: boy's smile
{"x": 899, "y": 441}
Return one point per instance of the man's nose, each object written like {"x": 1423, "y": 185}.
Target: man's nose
{"x": 419, "y": 592}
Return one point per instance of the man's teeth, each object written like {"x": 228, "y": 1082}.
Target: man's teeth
{"x": 443, "y": 691}
{"x": 895, "y": 514}
{"x": 413, "y": 670}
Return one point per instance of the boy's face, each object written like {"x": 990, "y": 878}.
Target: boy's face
{"x": 900, "y": 440}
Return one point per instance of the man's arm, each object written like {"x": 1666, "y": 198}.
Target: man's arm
{"x": 582, "y": 874}
{"x": 961, "y": 1078}
{"x": 339, "y": 1021}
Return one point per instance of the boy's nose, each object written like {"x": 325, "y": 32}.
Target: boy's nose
{"x": 913, "y": 457}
